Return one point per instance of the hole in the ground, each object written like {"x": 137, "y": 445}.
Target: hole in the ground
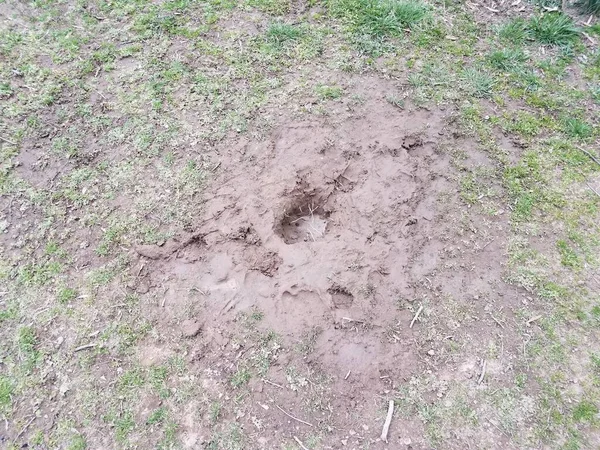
{"x": 304, "y": 219}
{"x": 341, "y": 297}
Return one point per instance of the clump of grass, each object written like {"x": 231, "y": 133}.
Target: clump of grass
{"x": 585, "y": 411}
{"x": 395, "y": 101}
{"x": 6, "y": 392}
{"x": 477, "y": 82}
{"x": 325, "y": 92}
{"x": 507, "y": 58}
{"x": 27, "y": 341}
{"x": 274, "y": 7}
{"x": 65, "y": 295}
{"x": 568, "y": 256}
{"x": 281, "y": 33}
{"x": 380, "y": 17}
{"x": 513, "y": 31}
{"x": 577, "y": 128}
{"x": 592, "y": 6}
{"x": 240, "y": 378}
{"x": 158, "y": 416}
{"x": 553, "y": 29}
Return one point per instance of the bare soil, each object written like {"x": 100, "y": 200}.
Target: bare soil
{"x": 343, "y": 228}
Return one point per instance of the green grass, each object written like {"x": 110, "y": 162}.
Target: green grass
{"x": 568, "y": 257}
{"x": 577, "y": 128}
{"x": 274, "y": 7}
{"x": 124, "y": 424}
{"x": 553, "y": 29}
{"x": 27, "y": 342}
{"x": 7, "y": 389}
{"x": 477, "y": 82}
{"x": 66, "y": 295}
{"x": 514, "y": 31}
{"x": 240, "y": 377}
{"x": 282, "y": 33}
{"x": 585, "y": 411}
{"x": 326, "y": 92}
{"x": 157, "y": 416}
{"x": 507, "y": 59}
{"x": 379, "y": 18}
{"x": 592, "y": 6}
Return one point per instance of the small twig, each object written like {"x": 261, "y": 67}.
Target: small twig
{"x": 272, "y": 384}
{"x": 299, "y": 218}
{"x": 216, "y": 166}
{"x": 8, "y": 140}
{"x": 164, "y": 300}
{"x": 593, "y": 158}
{"x": 496, "y": 320}
{"x": 26, "y": 425}
{"x": 118, "y": 305}
{"x": 299, "y": 442}
{"x": 593, "y": 190}
{"x": 488, "y": 243}
{"x": 533, "y": 319}
{"x": 483, "y": 367}
{"x": 412, "y": 322}
{"x": 589, "y": 38}
{"x": 347, "y": 375}
{"x": 388, "y": 421}
{"x": 292, "y": 417}
{"x": 353, "y": 320}
{"x": 84, "y": 347}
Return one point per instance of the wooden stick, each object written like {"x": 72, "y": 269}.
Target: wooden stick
{"x": 388, "y": 421}
{"x": 412, "y": 322}
{"x": 593, "y": 158}
{"x": 482, "y": 248}
{"x": 593, "y": 190}
{"x": 353, "y": 320}
{"x": 84, "y": 347}
{"x": 27, "y": 425}
{"x": 273, "y": 384}
{"x": 588, "y": 37}
{"x": 7, "y": 140}
{"x": 347, "y": 375}
{"x": 496, "y": 320}
{"x": 292, "y": 417}
{"x": 299, "y": 442}
{"x": 483, "y": 366}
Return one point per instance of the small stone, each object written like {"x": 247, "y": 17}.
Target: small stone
{"x": 431, "y": 352}
{"x": 190, "y": 327}
{"x": 365, "y": 427}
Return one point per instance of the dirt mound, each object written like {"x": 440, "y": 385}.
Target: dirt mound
{"x": 332, "y": 229}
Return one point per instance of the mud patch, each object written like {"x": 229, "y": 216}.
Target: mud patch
{"x": 304, "y": 218}
{"x": 333, "y": 250}
{"x": 340, "y": 296}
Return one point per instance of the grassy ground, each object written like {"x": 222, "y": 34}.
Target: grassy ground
{"x": 119, "y": 106}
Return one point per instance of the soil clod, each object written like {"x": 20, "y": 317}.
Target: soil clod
{"x": 190, "y": 328}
